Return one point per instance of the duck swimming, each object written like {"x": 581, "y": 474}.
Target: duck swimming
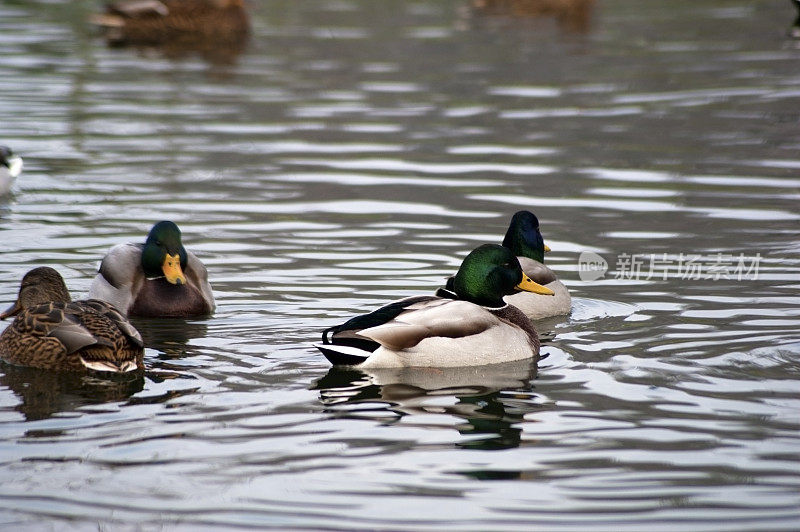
{"x": 525, "y": 240}
{"x": 10, "y": 168}
{"x": 52, "y": 332}
{"x": 158, "y": 279}
{"x": 155, "y": 22}
{"x": 471, "y": 327}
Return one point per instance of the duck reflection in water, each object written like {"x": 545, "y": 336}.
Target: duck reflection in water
{"x": 483, "y": 396}
{"x": 43, "y": 393}
{"x": 216, "y": 29}
{"x": 170, "y": 337}
{"x": 571, "y": 15}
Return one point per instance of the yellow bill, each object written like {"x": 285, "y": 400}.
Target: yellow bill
{"x": 547, "y": 248}
{"x": 529, "y": 286}
{"x": 172, "y": 269}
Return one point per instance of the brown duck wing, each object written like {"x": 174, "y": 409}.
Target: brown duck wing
{"x": 118, "y": 346}
{"x": 109, "y": 312}
{"x": 50, "y": 320}
{"x": 47, "y": 336}
{"x": 73, "y": 335}
{"x": 80, "y": 324}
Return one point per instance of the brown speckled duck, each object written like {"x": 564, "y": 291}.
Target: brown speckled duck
{"x": 157, "y": 279}
{"x": 52, "y": 332}
{"x": 154, "y": 22}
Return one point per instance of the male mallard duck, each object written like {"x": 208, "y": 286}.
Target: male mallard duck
{"x": 10, "y": 168}
{"x": 53, "y": 332}
{"x": 794, "y": 31}
{"x": 475, "y": 329}
{"x": 154, "y": 22}
{"x": 525, "y": 240}
{"x": 158, "y": 279}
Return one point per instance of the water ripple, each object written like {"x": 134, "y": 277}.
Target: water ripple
{"x": 352, "y": 155}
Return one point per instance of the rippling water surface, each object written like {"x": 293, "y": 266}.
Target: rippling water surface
{"x": 352, "y": 154}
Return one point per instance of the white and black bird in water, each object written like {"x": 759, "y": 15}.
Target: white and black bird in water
{"x": 10, "y": 168}
{"x": 468, "y": 326}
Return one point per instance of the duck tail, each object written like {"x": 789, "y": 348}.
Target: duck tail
{"x": 343, "y": 355}
{"x": 325, "y": 339}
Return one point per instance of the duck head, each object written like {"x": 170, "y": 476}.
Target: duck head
{"x": 163, "y": 254}
{"x": 490, "y": 272}
{"x": 523, "y": 237}
{"x": 40, "y": 285}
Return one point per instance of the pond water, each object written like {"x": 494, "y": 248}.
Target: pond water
{"x": 352, "y": 154}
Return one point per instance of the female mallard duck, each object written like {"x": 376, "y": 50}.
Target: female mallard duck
{"x": 474, "y": 327}
{"x": 157, "y": 279}
{"x": 53, "y": 332}
{"x": 10, "y": 168}
{"x": 154, "y": 22}
{"x": 525, "y": 240}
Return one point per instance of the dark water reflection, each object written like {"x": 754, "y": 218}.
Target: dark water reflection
{"x": 352, "y": 154}
{"x": 171, "y": 338}
{"x": 42, "y": 394}
{"x": 491, "y": 400}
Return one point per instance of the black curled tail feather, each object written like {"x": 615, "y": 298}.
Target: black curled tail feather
{"x": 325, "y": 334}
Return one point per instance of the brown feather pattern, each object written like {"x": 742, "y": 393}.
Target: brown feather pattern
{"x": 209, "y": 20}
{"x": 59, "y": 334}
{"x": 32, "y": 339}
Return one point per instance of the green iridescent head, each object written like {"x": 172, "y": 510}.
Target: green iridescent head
{"x": 490, "y": 272}
{"x": 523, "y": 237}
{"x": 163, "y": 254}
